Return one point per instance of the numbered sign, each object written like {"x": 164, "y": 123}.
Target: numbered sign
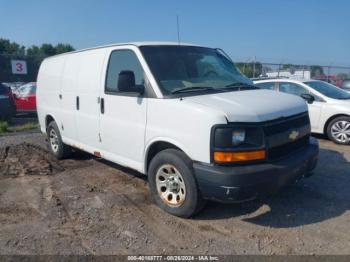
{"x": 19, "y": 67}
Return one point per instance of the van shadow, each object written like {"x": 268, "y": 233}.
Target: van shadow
{"x": 323, "y": 196}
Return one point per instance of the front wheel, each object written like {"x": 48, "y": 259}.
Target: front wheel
{"x": 172, "y": 184}
{"x": 338, "y": 130}
{"x": 56, "y": 145}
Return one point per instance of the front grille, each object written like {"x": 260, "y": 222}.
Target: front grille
{"x": 277, "y": 134}
{"x": 284, "y": 150}
{"x": 283, "y": 125}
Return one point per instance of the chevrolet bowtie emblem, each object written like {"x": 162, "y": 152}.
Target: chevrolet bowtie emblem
{"x": 293, "y": 135}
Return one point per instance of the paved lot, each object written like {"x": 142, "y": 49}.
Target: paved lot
{"x": 95, "y": 207}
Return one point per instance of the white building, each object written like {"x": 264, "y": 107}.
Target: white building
{"x": 305, "y": 74}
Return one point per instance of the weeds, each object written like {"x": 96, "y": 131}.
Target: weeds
{"x": 25, "y": 127}
{"x": 4, "y": 127}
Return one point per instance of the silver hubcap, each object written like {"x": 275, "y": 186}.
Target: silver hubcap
{"x": 170, "y": 185}
{"x": 53, "y": 140}
{"x": 341, "y": 131}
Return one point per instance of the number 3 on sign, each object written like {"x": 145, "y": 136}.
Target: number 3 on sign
{"x": 19, "y": 67}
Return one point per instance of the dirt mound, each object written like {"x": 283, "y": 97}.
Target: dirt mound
{"x": 27, "y": 159}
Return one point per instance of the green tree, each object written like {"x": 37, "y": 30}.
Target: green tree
{"x": 47, "y": 49}
{"x": 11, "y": 48}
{"x": 33, "y": 55}
{"x": 63, "y": 48}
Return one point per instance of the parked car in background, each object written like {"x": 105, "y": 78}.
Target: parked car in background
{"x": 346, "y": 85}
{"x": 25, "y": 98}
{"x": 7, "y": 103}
{"x": 14, "y": 85}
{"x": 183, "y": 115}
{"x": 329, "y": 106}
{"x": 332, "y": 79}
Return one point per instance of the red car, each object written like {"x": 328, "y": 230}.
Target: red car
{"x": 25, "y": 98}
{"x": 332, "y": 79}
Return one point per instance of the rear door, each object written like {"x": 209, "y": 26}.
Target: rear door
{"x": 67, "y": 97}
{"x": 89, "y": 85}
{"x": 123, "y": 115}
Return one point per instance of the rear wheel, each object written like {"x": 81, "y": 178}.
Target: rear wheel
{"x": 172, "y": 184}
{"x": 57, "y": 147}
{"x": 338, "y": 130}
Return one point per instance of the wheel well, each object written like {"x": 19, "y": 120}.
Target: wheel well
{"x": 48, "y": 120}
{"x": 155, "y": 148}
{"x": 329, "y": 120}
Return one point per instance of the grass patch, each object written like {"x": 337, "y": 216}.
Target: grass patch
{"x": 4, "y": 127}
{"x": 25, "y": 127}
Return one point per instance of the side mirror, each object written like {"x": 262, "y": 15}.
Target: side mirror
{"x": 309, "y": 98}
{"x": 126, "y": 83}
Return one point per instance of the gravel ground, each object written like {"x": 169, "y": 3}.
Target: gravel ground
{"x": 91, "y": 206}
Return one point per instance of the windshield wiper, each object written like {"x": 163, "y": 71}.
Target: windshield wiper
{"x": 192, "y": 88}
{"x": 240, "y": 86}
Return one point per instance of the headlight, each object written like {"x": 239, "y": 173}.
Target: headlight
{"x": 231, "y": 143}
{"x": 226, "y": 137}
{"x": 238, "y": 137}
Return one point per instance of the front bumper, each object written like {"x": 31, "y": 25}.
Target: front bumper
{"x": 240, "y": 183}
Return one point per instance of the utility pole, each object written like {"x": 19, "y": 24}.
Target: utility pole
{"x": 178, "y": 29}
{"x": 254, "y": 66}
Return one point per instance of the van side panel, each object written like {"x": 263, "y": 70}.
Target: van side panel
{"x": 178, "y": 122}
{"x": 89, "y": 86}
{"x": 69, "y": 93}
{"x": 49, "y": 88}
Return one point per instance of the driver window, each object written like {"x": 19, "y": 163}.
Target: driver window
{"x": 121, "y": 60}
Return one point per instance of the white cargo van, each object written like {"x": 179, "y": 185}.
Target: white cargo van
{"x": 181, "y": 114}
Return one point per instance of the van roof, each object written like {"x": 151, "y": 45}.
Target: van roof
{"x": 144, "y": 43}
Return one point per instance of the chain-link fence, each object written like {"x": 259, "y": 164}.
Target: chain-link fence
{"x": 332, "y": 73}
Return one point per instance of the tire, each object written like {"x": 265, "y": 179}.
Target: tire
{"x": 338, "y": 130}
{"x": 56, "y": 146}
{"x": 172, "y": 184}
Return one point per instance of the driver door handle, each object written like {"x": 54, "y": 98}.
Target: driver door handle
{"x": 77, "y": 103}
{"x": 102, "y": 105}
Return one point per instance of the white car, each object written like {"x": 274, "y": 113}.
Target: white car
{"x": 346, "y": 85}
{"x": 329, "y": 106}
{"x": 181, "y": 114}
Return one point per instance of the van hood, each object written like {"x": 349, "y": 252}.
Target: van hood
{"x": 252, "y": 105}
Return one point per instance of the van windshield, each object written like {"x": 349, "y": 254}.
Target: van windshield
{"x": 192, "y": 69}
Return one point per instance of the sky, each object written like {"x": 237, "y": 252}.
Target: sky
{"x": 277, "y": 31}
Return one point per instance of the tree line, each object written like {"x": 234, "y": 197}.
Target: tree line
{"x": 33, "y": 55}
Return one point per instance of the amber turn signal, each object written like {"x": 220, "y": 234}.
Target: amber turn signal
{"x": 229, "y": 157}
